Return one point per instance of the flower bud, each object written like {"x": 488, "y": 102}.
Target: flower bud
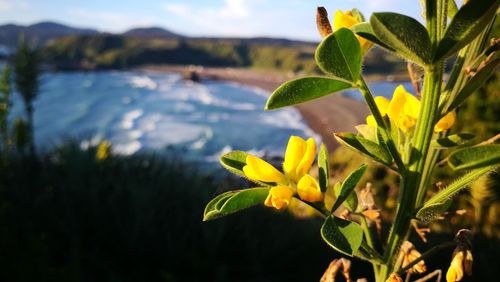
{"x": 322, "y": 22}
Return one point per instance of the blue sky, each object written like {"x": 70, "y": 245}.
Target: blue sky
{"x": 277, "y": 18}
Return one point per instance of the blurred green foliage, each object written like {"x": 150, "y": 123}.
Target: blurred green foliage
{"x": 71, "y": 217}
{"x": 117, "y": 52}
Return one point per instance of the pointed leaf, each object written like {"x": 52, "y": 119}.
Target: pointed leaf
{"x": 348, "y": 185}
{"x": 365, "y": 30}
{"x": 234, "y": 201}
{"x": 474, "y": 83}
{"x": 368, "y": 132}
{"x": 475, "y": 157}
{"x": 366, "y": 147}
{"x": 339, "y": 54}
{"x": 403, "y": 34}
{"x": 351, "y": 203}
{"x": 452, "y": 140}
{"x": 430, "y": 213}
{"x": 302, "y": 90}
{"x": 440, "y": 202}
{"x": 234, "y": 161}
{"x": 452, "y": 8}
{"x": 470, "y": 20}
{"x": 342, "y": 235}
{"x": 323, "y": 168}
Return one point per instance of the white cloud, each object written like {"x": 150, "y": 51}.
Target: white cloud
{"x": 225, "y": 20}
{"x": 12, "y": 5}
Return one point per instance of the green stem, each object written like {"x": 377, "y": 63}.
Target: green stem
{"x": 413, "y": 177}
{"x": 370, "y": 101}
{"x": 369, "y": 240}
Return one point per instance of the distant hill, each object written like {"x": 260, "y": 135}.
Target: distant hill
{"x": 151, "y": 32}
{"x": 38, "y": 34}
{"x": 66, "y": 47}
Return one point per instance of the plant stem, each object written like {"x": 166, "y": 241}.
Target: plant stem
{"x": 369, "y": 240}
{"x": 370, "y": 101}
{"x": 426, "y": 254}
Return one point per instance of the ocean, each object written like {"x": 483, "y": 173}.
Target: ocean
{"x": 139, "y": 111}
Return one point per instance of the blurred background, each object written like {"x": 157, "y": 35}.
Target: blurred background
{"x": 113, "y": 115}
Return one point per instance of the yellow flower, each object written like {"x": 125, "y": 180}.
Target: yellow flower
{"x": 309, "y": 190}
{"x": 347, "y": 20}
{"x": 403, "y": 110}
{"x": 382, "y": 105}
{"x": 461, "y": 262}
{"x": 260, "y": 170}
{"x": 279, "y": 197}
{"x": 445, "y": 122}
{"x": 299, "y": 157}
{"x": 103, "y": 150}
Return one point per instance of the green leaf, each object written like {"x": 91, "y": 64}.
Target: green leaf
{"x": 452, "y": 140}
{"x": 430, "y": 213}
{"x": 339, "y": 54}
{"x": 342, "y": 235}
{"x": 351, "y": 203}
{"x": 365, "y": 147}
{"x": 474, "y": 83}
{"x": 470, "y": 20}
{"x": 365, "y": 30}
{"x": 304, "y": 89}
{"x": 348, "y": 185}
{"x": 475, "y": 157}
{"x": 368, "y": 132}
{"x": 403, "y": 34}
{"x": 452, "y": 8}
{"x": 323, "y": 168}
{"x": 234, "y": 201}
{"x": 440, "y": 202}
{"x": 234, "y": 162}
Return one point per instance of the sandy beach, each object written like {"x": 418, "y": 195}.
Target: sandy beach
{"x": 333, "y": 113}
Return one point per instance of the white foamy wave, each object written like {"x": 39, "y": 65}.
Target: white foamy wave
{"x": 143, "y": 82}
{"x": 130, "y": 117}
{"x": 199, "y": 144}
{"x": 126, "y": 149}
{"x": 173, "y": 133}
{"x": 215, "y": 157}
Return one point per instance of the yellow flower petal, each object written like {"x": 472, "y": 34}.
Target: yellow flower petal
{"x": 445, "y": 122}
{"x": 382, "y": 104}
{"x": 412, "y": 106}
{"x": 347, "y": 20}
{"x": 370, "y": 120}
{"x": 309, "y": 190}
{"x": 397, "y": 103}
{"x": 279, "y": 197}
{"x": 307, "y": 159}
{"x": 260, "y": 170}
{"x": 293, "y": 155}
{"x": 406, "y": 123}
{"x": 343, "y": 20}
{"x": 455, "y": 271}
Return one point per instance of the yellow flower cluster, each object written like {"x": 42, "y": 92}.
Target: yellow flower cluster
{"x": 347, "y": 20}
{"x": 299, "y": 157}
{"x": 403, "y": 110}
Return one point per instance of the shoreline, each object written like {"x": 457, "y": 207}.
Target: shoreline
{"x": 326, "y": 115}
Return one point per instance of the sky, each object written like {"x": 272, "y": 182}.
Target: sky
{"x": 294, "y": 19}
